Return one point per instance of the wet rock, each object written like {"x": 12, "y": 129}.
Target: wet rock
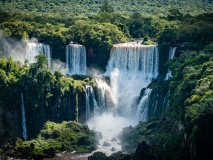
{"x": 114, "y": 140}
{"x": 84, "y": 141}
{"x": 144, "y": 152}
{"x": 99, "y": 135}
{"x": 50, "y": 152}
{"x": 98, "y": 156}
{"x": 106, "y": 144}
{"x": 113, "y": 149}
{"x": 116, "y": 154}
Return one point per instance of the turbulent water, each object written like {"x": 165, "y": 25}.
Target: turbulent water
{"x": 142, "y": 109}
{"x": 75, "y": 59}
{"x": 91, "y": 103}
{"x": 24, "y": 130}
{"x": 33, "y": 49}
{"x": 131, "y": 68}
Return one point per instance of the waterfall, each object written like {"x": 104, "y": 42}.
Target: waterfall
{"x": 105, "y": 98}
{"x": 142, "y": 109}
{"x": 24, "y": 130}
{"x": 152, "y": 104}
{"x": 91, "y": 103}
{"x": 140, "y": 59}
{"x": 75, "y": 59}
{"x": 171, "y": 56}
{"x": 131, "y": 68}
{"x": 88, "y": 92}
{"x": 33, "y": 49}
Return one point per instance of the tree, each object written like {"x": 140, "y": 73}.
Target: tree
{"x": 174, "y": 14}
{"x": 209, "y": 48}
{"x": 169, "y": 35}
{"x": 106, "y": 7}
{"x": 42, "y": 62}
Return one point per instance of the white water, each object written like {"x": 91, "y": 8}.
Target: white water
{"x": 33, "y": 49}
{"x": 142, "y": 108}
{"x": 105, "y": 99}
{"x": 91, "y": 103}
{"x": 24, "y": 130}
{"x": 130, "y": 68}
{"x": 171, "y": 56}
{"x": 110, "y": 126}
{"x": 75, "y": 59}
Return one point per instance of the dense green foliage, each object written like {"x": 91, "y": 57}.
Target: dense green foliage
{"x": 93, "y": 6}
{"x": 67, "y": 136}
{"x": 47, "y": 96}
{"x": 183, "y": 132}
{"x": 98, "y": 32}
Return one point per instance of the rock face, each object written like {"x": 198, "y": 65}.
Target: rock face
{"x": 98, "y": 156}
{"x": 143, "y": 152}
{"x": 106, "y": 144}
{"x": 114, "y": 140}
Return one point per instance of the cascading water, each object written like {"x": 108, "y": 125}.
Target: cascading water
{"x": 88, "y": 108}
{"x": 171, "y": 56}
{"x": 153, "y": 103}
{"x": 103, "y": 119}
{"x": 142, "y": 109}
{"x": 105, "y": 99}
{"x": 75, "y": 59}
{"x": 24, "y": 130}
{"x": 91, "y": 103}
{"x": 130, "y": 68}
{"x": 33, "y": 49}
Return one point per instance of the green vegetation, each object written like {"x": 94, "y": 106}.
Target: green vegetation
{"x": 47, "y": 96}
{"x": 184, "y": 128}
{"x": 98, "y": 32}
{"x": 98, "y": 155}
{"x": 98, "y": 38}
{"x": 147, "y": 41}
{"x": 67, "y": 136}
{"x": 89, "y": 7}
{"x": 209, "y": 48}
{"x": 182, "y": 132}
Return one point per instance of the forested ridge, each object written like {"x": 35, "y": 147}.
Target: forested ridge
{"x": 100, "y": 31}
{"x": 182, "y": 132}
{"x": 154, "y": 7}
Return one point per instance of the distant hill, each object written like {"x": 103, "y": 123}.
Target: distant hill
{"x": 93, "y": 6}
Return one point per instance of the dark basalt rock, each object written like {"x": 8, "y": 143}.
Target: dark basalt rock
{"x": 143, "y": 152}
{"x": 50, "y": 152}
{"x": 114, "y": 140}
{"x": 112, "y": 149}
{"x": 98, "y": 156}
{"x": 84, "y": 141}
{"x": 106, "y": 144}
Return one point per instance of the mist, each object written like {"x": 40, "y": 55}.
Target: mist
{"x": 130, "y": 69}
{"x": 58, "y": 65}
{"x": 110, "y": 126}
{"x": 9, "y": 47}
